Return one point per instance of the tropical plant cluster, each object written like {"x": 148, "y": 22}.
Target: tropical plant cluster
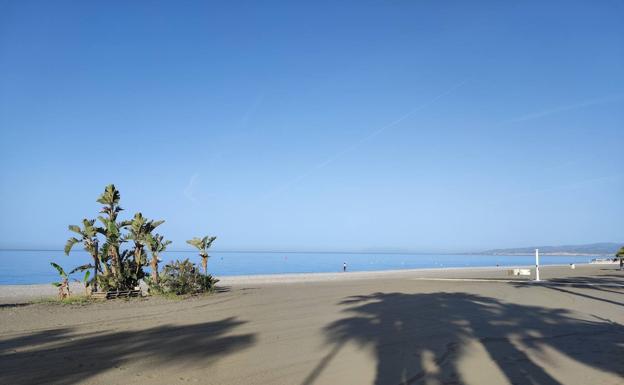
{"x": 183, "y": 277}
{"x": 120, "y": 250}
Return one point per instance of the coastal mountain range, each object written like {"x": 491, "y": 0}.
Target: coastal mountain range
{"x": 603, "y": 249}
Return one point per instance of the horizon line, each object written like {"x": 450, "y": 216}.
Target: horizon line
{"x": 494, "y": 251}
{"x": 271, "y": 251}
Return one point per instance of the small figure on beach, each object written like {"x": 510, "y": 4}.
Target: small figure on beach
{"x": 344, "y": 267}
{"x": 621, "y": 263}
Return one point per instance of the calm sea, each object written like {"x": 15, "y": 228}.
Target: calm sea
{"x": 28, "y": 267}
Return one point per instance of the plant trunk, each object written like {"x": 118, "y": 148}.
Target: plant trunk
{"x": 106, "y": 271}
{"x": 95, "y": 272}
{"x": 116, "y": 265}
{"x": 205, "y": 265}
{"x": 137, "y": 256}
{"x": 64, "y": 289}
{"x": 154, "y": 266}
{"x": 96, "y": 266}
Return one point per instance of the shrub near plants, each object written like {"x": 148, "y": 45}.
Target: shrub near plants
{"x": 183, "y": 277}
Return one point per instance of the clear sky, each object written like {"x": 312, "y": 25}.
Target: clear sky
{"x": 321, "y": 125}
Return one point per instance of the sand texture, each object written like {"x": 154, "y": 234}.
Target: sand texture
{"x": 456, "y": 326}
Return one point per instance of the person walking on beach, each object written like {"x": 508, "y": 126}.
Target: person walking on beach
{"x": 621, "y": 263}
{"x": 344, "y": 267}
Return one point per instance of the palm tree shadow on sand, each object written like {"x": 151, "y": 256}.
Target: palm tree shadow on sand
{"x": 420, "y": 338}
{"x": 62, "y": 356}
{"x": 606, "y": 283}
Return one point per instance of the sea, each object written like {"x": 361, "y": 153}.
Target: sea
{"x": 33, "y": 266}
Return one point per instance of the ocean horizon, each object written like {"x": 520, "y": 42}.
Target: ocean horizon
{"x": 22, "y": 267}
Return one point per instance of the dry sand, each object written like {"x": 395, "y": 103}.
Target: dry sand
{"x": 413, "y": 327}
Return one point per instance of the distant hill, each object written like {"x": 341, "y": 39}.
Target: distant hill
{"x": 605, "y": 248}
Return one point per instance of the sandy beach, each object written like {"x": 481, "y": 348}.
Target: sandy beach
{"x": 451, "y": 326}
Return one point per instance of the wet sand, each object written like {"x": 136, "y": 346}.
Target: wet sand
{"x": 452, "y": 326}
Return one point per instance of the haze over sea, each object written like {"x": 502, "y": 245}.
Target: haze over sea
{"x": 32, "y": 266}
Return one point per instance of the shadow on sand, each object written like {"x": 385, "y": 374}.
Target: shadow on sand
{"x": 607, "y": 283}
{"x": 420, "y": 338}
{"x": 62, "y": 356}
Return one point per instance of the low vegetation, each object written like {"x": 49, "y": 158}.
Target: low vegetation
{"x": 183, "y": 277}
{"x": 120, "y": 250}
{"x": 72, "y": 300}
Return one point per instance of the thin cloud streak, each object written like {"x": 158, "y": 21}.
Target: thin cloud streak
{"x": 565, "y": 186}
{"x": 190, "y": 189}
{"x": 363, "y": 140}
{"x": 251, "y": 111}
{"x": 556, "y": 110}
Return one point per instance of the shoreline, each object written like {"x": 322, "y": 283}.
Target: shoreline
{"x": 368, "y": 274}
{"x": 23, "y": 293}
{"x": 332, "y": 275}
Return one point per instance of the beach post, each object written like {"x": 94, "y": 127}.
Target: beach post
{"x": 537, "y": 265}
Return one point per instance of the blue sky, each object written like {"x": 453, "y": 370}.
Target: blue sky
{"x": 421, "y": 125}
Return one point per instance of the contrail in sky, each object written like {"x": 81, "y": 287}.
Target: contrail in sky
{"x": 566, "y": 186}
{"x": 252, "y": 110}
{"x": 363, "y": 140}
{"x": 568, "y": 107}
{"x": 189, "y": 190}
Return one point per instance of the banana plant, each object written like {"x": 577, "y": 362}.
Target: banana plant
{"x": 140, "y": 232}
{"x": 115, "y": 266}
{"x": 203, "y": 244}
{"x": 87, "y": 235}
{"x": 156, "y": 245}
{"x": 63, "y": 283}
{"x": 111, "y": 229}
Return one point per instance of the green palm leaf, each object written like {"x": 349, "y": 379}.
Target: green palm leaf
{"x": 59, "y": 269}
{"x": 70, "y": 243}
{"x": 81, "y": 268}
